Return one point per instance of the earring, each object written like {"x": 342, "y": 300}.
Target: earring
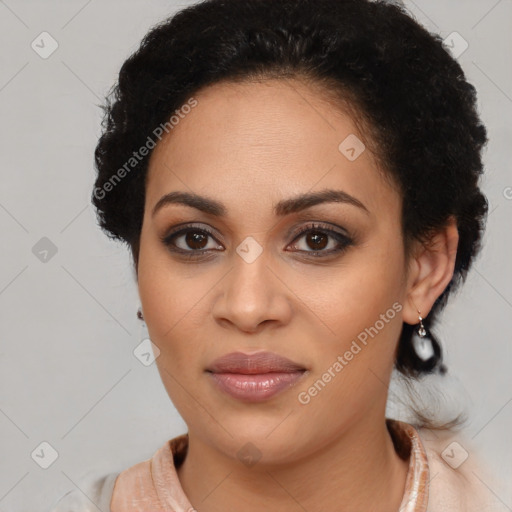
{"x": 422, "y": 343}
{"x": 421, "y": 331}
{"x": 139, "y": 314}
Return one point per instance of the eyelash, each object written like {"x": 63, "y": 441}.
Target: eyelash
{"x": 342, "y": 239}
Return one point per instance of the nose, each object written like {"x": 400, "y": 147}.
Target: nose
{"x": 252, "y": 297}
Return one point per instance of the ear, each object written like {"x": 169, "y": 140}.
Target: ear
{"x": 430, "y": 271}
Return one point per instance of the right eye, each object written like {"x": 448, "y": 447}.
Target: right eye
{"x": 191, "y": 241}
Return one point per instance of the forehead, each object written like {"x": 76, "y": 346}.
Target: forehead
{"x": 245, "y": 142}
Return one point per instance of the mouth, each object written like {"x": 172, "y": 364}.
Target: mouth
{"x": 254, "y": 377}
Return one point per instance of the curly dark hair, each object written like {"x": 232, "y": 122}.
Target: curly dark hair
{"x": 410, "y": 93}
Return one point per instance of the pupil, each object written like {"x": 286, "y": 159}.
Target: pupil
{"x": 315, "y": 238}
{"x": 195, "y": 240}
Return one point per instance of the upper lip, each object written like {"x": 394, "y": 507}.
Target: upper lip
{"x": 260, "y": 362}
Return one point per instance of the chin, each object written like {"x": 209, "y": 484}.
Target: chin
{"x": 258, "y": 438}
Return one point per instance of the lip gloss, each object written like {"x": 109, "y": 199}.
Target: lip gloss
{"x": 255, "y": 387}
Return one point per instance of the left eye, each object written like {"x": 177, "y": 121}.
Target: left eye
{"x": 317, "y": 240}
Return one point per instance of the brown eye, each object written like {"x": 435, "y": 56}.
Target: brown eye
{"x": 196, "y": 240}
{"x": 317, "y": 240}
{"x": 191, "y": 241}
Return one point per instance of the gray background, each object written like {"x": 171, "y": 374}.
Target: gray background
{"x": 68, "y": 328}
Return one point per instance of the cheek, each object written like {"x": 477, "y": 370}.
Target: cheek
{"x": 169, "y": 313}
{"x": 164, "y": 292}
{"x": 353, "y": 296}
{"x": 355, "y": 362}
{"x": 360, "y": 304}
{"x": 174, "y": 300}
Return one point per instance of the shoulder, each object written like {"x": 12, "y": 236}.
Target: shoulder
{"x": 93, "y": 493}
{"x": 460, "y": 480}
{"x": 134, "y": 486}
{"x": 153, "y": 484}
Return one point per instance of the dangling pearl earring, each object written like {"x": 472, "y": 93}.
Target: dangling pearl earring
{"x": 422, "y": 344}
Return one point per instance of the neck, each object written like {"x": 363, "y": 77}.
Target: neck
{"x": 359, "y": 470}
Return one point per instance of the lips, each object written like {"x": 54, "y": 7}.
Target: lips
{"x": 254, "y": 377}
{"x": 250, "y": 364}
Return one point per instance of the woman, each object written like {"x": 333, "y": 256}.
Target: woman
{"x": 297, "y": 182}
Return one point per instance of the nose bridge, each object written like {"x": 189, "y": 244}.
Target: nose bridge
{"x": 252, "y": 294}
{"x": 250, "y": 276}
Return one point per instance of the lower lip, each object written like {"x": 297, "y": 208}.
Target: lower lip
{"x": 256, "y": 387}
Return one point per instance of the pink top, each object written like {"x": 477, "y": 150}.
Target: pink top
{"x": 154, "y": 484}
{"x": 444, "y": 472}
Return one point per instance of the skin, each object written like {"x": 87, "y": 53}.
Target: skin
{"x": 249, "y": 146}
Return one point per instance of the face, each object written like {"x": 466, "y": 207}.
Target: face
{"x": 260, "y": 257}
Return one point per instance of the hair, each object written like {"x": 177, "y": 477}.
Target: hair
{"x": 412, "y": 97}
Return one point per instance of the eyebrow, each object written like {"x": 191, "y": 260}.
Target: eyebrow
{"x": 283, "y": 207}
